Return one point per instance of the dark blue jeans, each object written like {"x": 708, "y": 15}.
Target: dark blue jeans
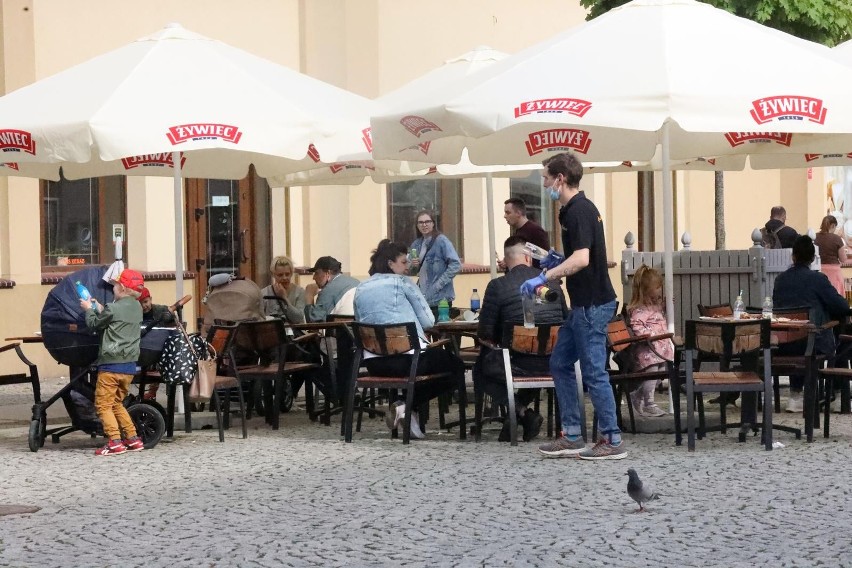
{"x": 583, "y": 338}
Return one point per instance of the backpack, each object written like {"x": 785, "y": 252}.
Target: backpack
{"x": 769, "y": 239}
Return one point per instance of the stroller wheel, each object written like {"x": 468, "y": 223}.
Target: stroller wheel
{"x": 149, "y": 422}
{"x": 37, "y": 433}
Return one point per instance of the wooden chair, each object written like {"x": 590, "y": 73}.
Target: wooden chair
{"x": 221, "y": 338}
{"x": 828, "y": 378}
{"x": 746, "y": 340}
{"x": 265, "y": 343}
{"x": 31, "y": 376}
{"x": 536, "y": 342}
{"x": 622, "y": 342}
{"x": 394, "y": 339}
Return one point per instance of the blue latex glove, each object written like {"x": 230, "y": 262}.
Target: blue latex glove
{"x": 528, "y": 287}
{"x": 552, "y": 260}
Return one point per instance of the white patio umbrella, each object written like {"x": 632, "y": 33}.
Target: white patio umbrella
{"x": 177, "y": 98}
{"x": 669, "y": 72}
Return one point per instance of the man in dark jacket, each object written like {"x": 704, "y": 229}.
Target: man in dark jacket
{"x": 501, "y": 305}
{"x": 777, "y": 225}
{"x": 800, "y": 286}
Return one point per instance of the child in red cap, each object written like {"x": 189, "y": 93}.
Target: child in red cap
{"x": 120, "y": 324}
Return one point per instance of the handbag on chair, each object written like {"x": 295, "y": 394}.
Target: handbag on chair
{"x": 201, "y": 388}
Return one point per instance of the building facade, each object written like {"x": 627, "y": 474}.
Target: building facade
{"x": 369, "y": 47}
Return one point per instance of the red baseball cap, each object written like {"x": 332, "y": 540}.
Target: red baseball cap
{"x": 145, "y": 294}
{"x": 131, "y": 279}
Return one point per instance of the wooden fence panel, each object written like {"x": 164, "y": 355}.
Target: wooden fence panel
{"x": 710, "y": 277}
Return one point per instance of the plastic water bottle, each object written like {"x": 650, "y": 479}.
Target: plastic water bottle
{"x": 535, "y": 251}
{"x": 443, "y": 310}
{"x": 474, "y": 301}
{"x": 84, "y": 294}
{"x": 766, "y": 312}
{"x": 739, "y": 307}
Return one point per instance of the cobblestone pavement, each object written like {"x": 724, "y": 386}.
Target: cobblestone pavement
{"x": 302, "y": 497}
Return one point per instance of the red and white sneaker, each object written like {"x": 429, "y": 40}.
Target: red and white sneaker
{"x": 113, "y": 448}
{"x": 134, "y": 444}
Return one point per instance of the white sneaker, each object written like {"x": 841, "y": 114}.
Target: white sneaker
{"x": 794, "y": 403}
{"x": 416, "y": 432}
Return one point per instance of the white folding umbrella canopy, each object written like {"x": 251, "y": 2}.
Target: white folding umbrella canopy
{"x": 177, "y": 97}
{"x": 697, "y": 80}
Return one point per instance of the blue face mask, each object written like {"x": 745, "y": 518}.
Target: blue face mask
{"x": 554, "y": 193}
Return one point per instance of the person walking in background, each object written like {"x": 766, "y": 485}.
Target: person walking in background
{"x": 832, "y": 252}
{"x": 437, "y": 262}
{"x": 777, "y": 226}
{"x": 583, "y": 335}
{"x": 515, "y": 213}
{"x": 388, "y": 297}
{"x": 118, "y": 323}
{"x": 284, "y": 297}
{"x": 646, "y": 316}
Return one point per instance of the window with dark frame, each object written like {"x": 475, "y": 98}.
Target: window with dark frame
{"x": 77, "y": 218}
{"x": 539, "y": 206}
{"x": 407, "y": 198}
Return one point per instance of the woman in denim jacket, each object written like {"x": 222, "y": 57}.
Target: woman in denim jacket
{"x": 437, "y": 262}
{"x": 389, "y": 296}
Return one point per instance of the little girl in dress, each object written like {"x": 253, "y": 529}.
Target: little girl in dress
{"x": 646, "y": 316}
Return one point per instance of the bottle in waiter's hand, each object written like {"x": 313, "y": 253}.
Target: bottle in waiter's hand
{"x": 546, "y": 294}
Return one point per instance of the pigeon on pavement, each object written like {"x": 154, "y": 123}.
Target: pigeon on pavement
{"x": 637, "y": 491}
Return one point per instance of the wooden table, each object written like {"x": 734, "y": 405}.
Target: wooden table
{"x": 785, "y": 330}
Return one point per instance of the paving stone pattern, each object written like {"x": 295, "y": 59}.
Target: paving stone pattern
{"x": 302, "y": 497}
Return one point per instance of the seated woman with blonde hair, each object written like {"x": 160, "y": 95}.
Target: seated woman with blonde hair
{"x": 284, "y": 298}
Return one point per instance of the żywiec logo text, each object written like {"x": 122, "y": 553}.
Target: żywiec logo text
{"x": 204, "y": 131}
{"x": 17, "y": 141}
{"x": 418, "y": 125}
{"x": 788, "y": 107}
{"x": 739, "y": 138}
{"x": 162, "y": 160}
{"x": 577, "y": 107}
{"x": 814, "y": 157}
{"x": 338, "y": 167}
{"x": 558, "y": 139}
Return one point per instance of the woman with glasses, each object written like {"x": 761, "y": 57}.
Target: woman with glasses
{"x": 389, "y": 297}
{"x": 437, "y": 262}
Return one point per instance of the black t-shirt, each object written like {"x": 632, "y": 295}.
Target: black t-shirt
{"x": 582, "y": 227}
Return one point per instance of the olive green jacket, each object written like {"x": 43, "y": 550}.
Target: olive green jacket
{"x": 120, "y": 322}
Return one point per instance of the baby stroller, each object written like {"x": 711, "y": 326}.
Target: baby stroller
{"x": 70, "y": 342}
{"x": 232, "y": 300}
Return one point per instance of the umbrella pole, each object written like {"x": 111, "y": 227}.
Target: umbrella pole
{"x": 668, "y": 228}
{"x": 489, "y": 204}
{"x": 178, "y": 195}
{"x": 178, "y": 191}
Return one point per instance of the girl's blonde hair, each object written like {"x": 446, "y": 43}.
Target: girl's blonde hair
{"x": 645, "y": 280}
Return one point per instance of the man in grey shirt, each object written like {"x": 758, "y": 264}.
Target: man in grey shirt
{"x": 328, "y": 288}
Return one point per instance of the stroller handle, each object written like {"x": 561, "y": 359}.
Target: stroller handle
{"x": 180, "y": 303}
